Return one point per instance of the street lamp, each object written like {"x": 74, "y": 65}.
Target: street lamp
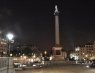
{"x": 10, "y": 37}
{"x": 45, "y": 52}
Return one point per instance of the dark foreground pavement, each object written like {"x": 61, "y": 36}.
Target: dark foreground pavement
{"x": 59, "y": 69}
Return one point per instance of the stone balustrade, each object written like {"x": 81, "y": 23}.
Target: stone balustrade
{"x": 6, "y": 65}
{"x": 58, "y": 62}
{"x": 3, "y": 62}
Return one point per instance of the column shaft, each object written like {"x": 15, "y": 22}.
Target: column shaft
{"x": 57, "y": 29}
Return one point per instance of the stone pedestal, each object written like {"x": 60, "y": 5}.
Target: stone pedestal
{"x": 57, "y": 53}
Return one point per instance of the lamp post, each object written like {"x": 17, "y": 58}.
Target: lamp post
{"x": 10, "y": 37}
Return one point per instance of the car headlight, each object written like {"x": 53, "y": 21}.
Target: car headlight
{"x": 87, "y": 66}
{"x": 34, "y": 65}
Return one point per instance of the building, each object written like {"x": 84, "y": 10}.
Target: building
{"x": 26, "y": 53}
{"x": 73, "y": 55}
{"x": 3, "y": 46}
{"x": 34, "y": 49}
{"x": 86, "y": 52}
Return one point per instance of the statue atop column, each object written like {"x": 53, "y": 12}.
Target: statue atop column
{"x": 56, "y": 12}
{"x": 56, "y": 9}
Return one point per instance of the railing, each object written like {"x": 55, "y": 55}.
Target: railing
{"x": 58, "y": 62}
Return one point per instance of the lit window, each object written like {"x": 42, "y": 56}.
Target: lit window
{"x": 3, "y": 39}
{"x": 1, "y": 42}
{"x": 4, "y": 43}
{"x": 4, "y": 52}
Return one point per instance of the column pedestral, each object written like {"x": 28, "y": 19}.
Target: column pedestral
{"x": 57, "y": 53}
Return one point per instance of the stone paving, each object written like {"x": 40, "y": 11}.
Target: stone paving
{"x": 59, "y": 69}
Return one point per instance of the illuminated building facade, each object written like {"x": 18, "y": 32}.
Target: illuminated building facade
{"x": 3, "y": 46}
{"x": 86, "y": 52}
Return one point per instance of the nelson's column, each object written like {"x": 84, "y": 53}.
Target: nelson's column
{"x": 57, "y": 49}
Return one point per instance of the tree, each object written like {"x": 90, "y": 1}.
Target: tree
{"x": 14, "y": 52}
{"x": 27, "y": 51}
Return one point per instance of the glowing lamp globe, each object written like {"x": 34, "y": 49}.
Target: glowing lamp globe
{"x": 10, "y": 36}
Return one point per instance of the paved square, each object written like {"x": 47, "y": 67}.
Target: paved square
{"x": 59, "y": 69}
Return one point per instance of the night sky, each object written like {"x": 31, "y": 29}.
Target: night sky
{"x": 32, "y": 21}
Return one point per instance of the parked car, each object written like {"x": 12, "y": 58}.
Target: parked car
{"x": 37, "y": 64}
{"x": 91, "y": 65}
{"x": 18, "y": 65}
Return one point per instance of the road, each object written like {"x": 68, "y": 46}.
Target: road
{"x": 59, "y": 69}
